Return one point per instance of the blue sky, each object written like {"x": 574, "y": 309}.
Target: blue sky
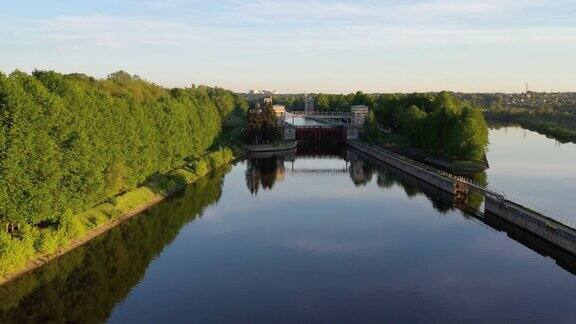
{"x": 301, "y": 45}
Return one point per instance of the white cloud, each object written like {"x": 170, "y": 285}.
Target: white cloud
{"x": 77, "y": 32}
{"x": 350, "y": 26}
{"x": 302, "y": 11}
{"x": 464, "y": 8}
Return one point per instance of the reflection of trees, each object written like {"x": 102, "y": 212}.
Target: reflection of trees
{"x": 85, "y": 285}
{"x": 474, "y": 199}
{"x": 389, "y": 177}
{"x": 263, "y": 173}
{"x": 362, "y": 170}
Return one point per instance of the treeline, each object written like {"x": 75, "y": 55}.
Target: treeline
{"x": 69, "y": 142}
{"x": 323, "y": 102}
{"x": 559, "y": 126}
{"x": 551, "y": 114}
{"x": 438, "y": 123}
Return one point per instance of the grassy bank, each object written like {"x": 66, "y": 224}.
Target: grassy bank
{"x": 84, "y": 285}
{"x": 30, "y": 246}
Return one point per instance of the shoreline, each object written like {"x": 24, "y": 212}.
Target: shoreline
{"x": 272, "y": 147}
{"x": 561, "y": 134}
{"x": 42, "y": 259}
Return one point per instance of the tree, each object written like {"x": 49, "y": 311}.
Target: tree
{"x": 437, "y": 124}
{"x": 262, "y": 125}
{"x": 68, "y": 142}
{"x": 322, "y": 102}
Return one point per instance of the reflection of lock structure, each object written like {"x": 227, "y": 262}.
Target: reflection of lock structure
{"x": 289, "y": 132}
{"x": 460, "y": 191}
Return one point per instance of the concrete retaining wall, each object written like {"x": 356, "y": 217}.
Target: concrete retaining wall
{"x": 555, "y": 231}
{"x": 540, "y": 225}
{"x": 423, "y": 174}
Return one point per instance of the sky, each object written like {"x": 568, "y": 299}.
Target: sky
{"x": 301, "y": 46}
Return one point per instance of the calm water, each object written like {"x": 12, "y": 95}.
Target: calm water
{"x": 323, "y": 236}
{"x": 535, "y": 169}
{"x": 301, "y": 121}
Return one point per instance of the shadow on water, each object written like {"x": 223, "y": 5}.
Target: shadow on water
{"x": 326, "y": 150}
{"x": 86, "y": 284}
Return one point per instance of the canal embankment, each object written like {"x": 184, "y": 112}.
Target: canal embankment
{"x": 555, "y": 230}
{"x": 79, "y": 229}
{"x": 405, "y": 164}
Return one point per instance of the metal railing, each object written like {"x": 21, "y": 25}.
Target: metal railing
{"x": 319, "y": 113}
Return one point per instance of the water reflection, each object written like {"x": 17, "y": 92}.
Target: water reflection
{"x": 263, "y": 170}
{"x": 84, "y": 285}
{"x": 533, "y": 168}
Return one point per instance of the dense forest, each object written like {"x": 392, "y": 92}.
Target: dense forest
{"x": 440, "y": 124}
{"x": 71, "y": 142}
{"x": 68, "y": 142}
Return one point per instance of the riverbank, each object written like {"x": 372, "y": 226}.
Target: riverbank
{"x": 563, "y": 133}
{"x": 31, "y": 247}
{"x": 549, "y": 129}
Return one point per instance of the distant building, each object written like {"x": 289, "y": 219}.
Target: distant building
{"x": 267, "y": 100}
{"x": 309, "y": 104}
{"x": 280, "y": 111}
{"x": 257, "y": 95}
{"x": 268, "y": 92}
{"x": 262, "y": 92}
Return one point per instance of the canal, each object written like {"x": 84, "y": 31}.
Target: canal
{"x": 533, "y": 168}
{"x": 322, "y": 235}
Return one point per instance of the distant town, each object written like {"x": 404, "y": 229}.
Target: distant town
{"x": 531, "y": 100}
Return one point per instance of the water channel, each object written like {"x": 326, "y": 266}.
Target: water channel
{"x": 322, "y": 235}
